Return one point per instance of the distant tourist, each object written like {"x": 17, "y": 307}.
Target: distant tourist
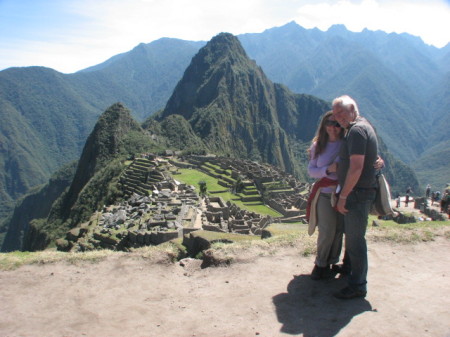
{"x": 409, "y": 190}
{"x": 437, "y": 196}
{"x": 406, "y": 200}
{"x": 427, "y": 191}
{"x": 398, "y": 199}
{"x": 356, "y": 175}
{"x": 433, "y": 197}
{"x": 445, "y": 202}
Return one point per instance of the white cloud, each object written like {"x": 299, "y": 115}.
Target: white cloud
{"x": 112, "y": 27}
{"x": 428, "y": 19}
{"x": 80, "y": 33}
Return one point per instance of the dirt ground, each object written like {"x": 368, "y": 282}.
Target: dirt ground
{"x": 408, "y": 295}
{"x": 409, "y": 287}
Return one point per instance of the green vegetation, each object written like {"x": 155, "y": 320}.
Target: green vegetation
{"x": 224, "y": 237}
{"x": 16, "y": 259}
{"x": 433, "y": 168}
{"x": 116, "y": 137}
{"x": 193, "y": 177}
{"x": 421, "y": 231}
{"x": 47, "y": 116}
{"x": 202, "y": 187}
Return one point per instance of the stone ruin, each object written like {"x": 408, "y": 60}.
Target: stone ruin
{"x": 159, "y": 208}
{"x": 290, "y": 201}
{"x": 422, "y": 205}
{"x": 229, "y": 218}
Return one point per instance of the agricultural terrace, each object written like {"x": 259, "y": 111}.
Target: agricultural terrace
{"x": 194, "y": 176}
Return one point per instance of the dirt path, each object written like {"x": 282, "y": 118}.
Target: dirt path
{"x": 409, "y": 287}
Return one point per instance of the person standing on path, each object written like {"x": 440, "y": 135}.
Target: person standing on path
{"x": 357, "y": 183}
{"x": 323, "y": 155}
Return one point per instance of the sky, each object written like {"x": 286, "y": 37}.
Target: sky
{"x": 70, "y": 35}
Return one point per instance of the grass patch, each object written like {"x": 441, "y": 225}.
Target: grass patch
{"x": 283, "y": 236}
{"x": 243, "y": 247}
{"x": 422, "y": 231}
{"x": 167, "y": 252}
{"x": 192, "y": 177}
{"x": 13, "y": 260}
{"x": 227, "y": 237}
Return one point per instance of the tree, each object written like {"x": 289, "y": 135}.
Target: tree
{"x": 203, "y": 188}
{"x": 238, "y": 185}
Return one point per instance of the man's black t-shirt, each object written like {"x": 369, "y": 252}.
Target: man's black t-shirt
{"x": 360, "y": 139}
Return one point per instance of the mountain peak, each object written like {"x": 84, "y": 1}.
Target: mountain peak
{"x": 339, "y": 28}
{"x": 103, "y": 144}
{"x": 221, "y": 46}
{"x": 216, "y": 62}
{"x": 223, "y": 38}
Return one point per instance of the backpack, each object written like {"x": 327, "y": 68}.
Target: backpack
{"x": 382, "y": 204}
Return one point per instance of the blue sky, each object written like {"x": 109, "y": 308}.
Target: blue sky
{"x": 70, "y": 35}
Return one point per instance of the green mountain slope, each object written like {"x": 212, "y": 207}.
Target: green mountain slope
{"x": 236, "y": 110}
{"x": 389, "y": 75}
{"x": 433, "y": 168}
{"x": 48, "y": 115}
{"x": 116, "y": 136}
{"x": 142, "y": 78}
{"x": 44, "y": 124}
{"x": 36, "y": 205}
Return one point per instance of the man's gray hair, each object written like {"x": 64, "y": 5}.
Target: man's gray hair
{"x": 346, "y": 102}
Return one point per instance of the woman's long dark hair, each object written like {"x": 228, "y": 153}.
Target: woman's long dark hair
{"x": 321, "y": 138}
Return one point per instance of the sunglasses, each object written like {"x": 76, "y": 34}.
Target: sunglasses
{"x": 332, "y": 123}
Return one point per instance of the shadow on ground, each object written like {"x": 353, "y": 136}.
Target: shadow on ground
{"x": 309, "y": 307}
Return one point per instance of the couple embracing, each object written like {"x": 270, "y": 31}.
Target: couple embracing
{"x": 344, "y": 158}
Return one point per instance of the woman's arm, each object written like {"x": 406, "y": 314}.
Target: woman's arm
{"x": 315, "y": 171}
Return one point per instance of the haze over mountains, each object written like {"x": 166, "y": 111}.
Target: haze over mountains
{"x": 401, "y": 85}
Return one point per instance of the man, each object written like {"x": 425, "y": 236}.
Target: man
{"x": 356, "y": 176}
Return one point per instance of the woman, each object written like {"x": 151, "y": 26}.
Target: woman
{"x": 320, "y": 212}
{"x": 323, "y": 165}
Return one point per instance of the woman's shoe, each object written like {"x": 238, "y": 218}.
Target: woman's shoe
{"x": 340, "y": 269}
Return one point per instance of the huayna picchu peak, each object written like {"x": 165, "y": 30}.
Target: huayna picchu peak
{"x": 236, "y": 110}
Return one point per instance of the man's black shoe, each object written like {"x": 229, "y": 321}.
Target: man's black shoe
{"x": 349, "y": 293}
{"x": 340, "y": 269}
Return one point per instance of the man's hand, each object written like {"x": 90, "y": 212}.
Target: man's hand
{"x": 340, "y": 206}
{"x": 352, "y": 177}
{"x": 379, "y": 163}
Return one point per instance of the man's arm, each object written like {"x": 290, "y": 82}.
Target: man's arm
{"x": 352, "y": 177}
